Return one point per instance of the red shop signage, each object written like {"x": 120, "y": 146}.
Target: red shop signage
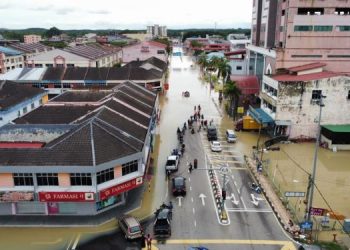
{"x": 120, "y": 188}
{"x": 65, "y": 196}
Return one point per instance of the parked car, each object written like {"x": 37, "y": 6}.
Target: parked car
{"x": 212, "y": 133}
{"x": 130, "y": 227}
{"x": 215, "y": 146}
{"x": 179, "y": 185}
{"x": 162, "y": 225}
{"x": 172, "y": 163}
{"x": 230, "y": 135}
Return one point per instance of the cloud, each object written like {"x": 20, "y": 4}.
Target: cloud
{"x": 63, "y": 11}
{"x": 41, "y": 8}
{"x": 99, "y": 12}
{"x": 5, "y": 5}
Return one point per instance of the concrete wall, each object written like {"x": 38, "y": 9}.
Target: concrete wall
{"x": 294, "y": 103}
{"x": 6, "y": 180}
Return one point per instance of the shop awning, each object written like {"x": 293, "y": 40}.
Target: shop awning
{"x": 260, "y": 116}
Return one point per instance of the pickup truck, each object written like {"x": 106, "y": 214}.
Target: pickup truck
{"x": 162, "y": 226}
{"x": 172, "y": 163}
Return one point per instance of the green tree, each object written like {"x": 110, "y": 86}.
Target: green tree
{"x": 53, "y": 32}
{"x": 203, "y": 61}
{"x": 224, "y": 69}
{"x": 233, "y": 93}
{"x": 196, "y": 44}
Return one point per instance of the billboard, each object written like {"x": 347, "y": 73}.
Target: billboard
{"x": 13, "y": 196}
{"x": 66, "y": 196}
{"x": 120, "y": 188}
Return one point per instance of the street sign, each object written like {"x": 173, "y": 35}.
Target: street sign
{"x": 317, "y": 211}
{"x": 240, "y": 110}
{"x": 294, "y": 194}
{"x": 306, "y": 225}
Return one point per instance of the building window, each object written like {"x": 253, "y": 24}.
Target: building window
{"x": 105, "y": 175}
{"x": 80, "y": 179}
{"x": 306, "y": 56}
{"x": 316, "y": 94}
{"x": 70, "y": 65}
{"x": 343, "y": 28}
{"x": 49, "y": 65}
{"x": 129, "y": 167}
{"x": 283, "y": 12}
{"x": 349, "y": 95}
{"x": 47, "y": 179}
{"x": 323, "y": 28}
{"x": 23, "y": 179}
{"x": 302, "y": 28}
{"x": 25, "y": 110}
{"x": 32, "y": 105}
{"x": 18, "y": 113}
{"x": 238, "y": 67}
{"x": 160, "y": 52}
{"x": 38, "y": 65}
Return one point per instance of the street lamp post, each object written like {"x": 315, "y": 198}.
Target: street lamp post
{"x": 313, "y": 174}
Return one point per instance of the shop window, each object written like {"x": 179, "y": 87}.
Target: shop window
{"x": 323, "y": 28}
{"x": 80, "y": 179}
{"x": 105, "y": 175}
{"x": 129, "y": 167}
{"x": 302, "y": 28}
{"x": 343, "y": 28}
{"x": 47, "y": 179}
{"x": 23, "y": 179}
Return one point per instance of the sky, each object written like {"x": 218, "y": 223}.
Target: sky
{"x": 124, "y": 14}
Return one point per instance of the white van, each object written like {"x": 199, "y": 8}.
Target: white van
{"x": 230, "y": 136}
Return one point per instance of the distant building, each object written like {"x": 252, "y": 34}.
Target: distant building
{"x": 207, "y": 45}
{"x": 78, "y": 56}
{"x": 17, "y": 100}
{"x": 32, "y": 39}
{"x": 30, "y": 50}
{"x": 238, "y": 41}
{"x": 149, "y": 73}
{"x": 144, "y": 50}
{"x": 157, "y": 31}
{"x": 10, "y": 59}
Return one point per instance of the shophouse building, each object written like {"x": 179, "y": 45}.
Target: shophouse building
{"x": 17, "y": 100}
{"x": 10, "y": 59}
{"x": 83, "y": 153}
{"x": 31, "y": 39}
{"x": 30, "y": 50}
{"x": 150, "y": 73}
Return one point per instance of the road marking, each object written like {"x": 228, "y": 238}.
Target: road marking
{"x": 192, "y": 199}
{"x": 249, "y": 210}
{"x": 233, "y": 177}
{"x": 202, "y": 197}
{"x": 235, "y": 183}
{"x": 179, "y": 198}
{"x": 245, "y": 207}
{"x": 70, "y": 243}
{"x": 288, "y": 244}
{"x": 190, "y": 188}
{"x": 195, "y": 223}
{"x": 194, "y": 211}
{"x": 189, "y": 178}
{"x": 238, "y": 191}
{"x": 76, "y": 242}
{"x": 46, "y": 242}
{"x": 233, "y": 199}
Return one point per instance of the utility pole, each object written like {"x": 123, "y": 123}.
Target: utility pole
{"x": 313, "y": 174}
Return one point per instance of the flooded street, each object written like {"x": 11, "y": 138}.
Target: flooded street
{"x": 287, "y": 168}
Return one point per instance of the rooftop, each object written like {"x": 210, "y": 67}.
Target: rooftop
{"x": 344, "y": 128}
{"x": 30, "y": 48}
{"x": 307, "y": 67}
{"x": 12, "y": 93}
{"x": 89, "y": 51}
{"x": 303, "y": 78}
{"x": 9, "y": 51}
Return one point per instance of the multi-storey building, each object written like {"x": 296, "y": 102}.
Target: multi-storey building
{"x": 10, "y": 59}
{"x": 17, "y": 100}
{"x": 145, "y": 50}
{"x": 30, "y": 50}
{"x": 32, "y": 38}
{"x": 289, "y": 33}
{"x": 83, "y": 153}
{"x": 157, "y": 31}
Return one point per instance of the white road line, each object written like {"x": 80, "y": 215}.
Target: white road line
{"x": 235, "y": 184}
{"x": 249, "y": 210}
{"x": 76, "y": 242}
{"x": 189, "y": 178}
{"x": 239, "y": 192}
{"x": 233, "y": 177}
{"x": 190, "y": 188}
{"x": 70, "y": 243}
{"x": 245, "y": 207}
{"x": 194, "y": 211}
{"x": 192, "y": 199}
{"x": 195, "y": 223}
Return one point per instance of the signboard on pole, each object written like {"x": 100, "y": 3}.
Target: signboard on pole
{"x": 306, "y": 225}
{"x": 317, "y": 211}
{"x": 294, "y": 194}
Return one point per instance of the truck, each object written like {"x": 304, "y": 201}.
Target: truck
{"x": 247, "y": 123}
{"x": 162, "y": 225}
{"x": 172, "y": 163}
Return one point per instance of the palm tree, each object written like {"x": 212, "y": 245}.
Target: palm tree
{"x": 233, "y": 93}
{"x": 203, "y": 61}
{"x": 224, "y": 69}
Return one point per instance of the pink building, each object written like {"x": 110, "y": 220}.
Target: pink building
{"x": 207, "y": 44}
{"x": 295, "y": 32}
{"x": 32, "y": 38}
{"x": 144, "y": 50}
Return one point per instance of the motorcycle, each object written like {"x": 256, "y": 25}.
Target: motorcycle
{"x": 255, "y": 188}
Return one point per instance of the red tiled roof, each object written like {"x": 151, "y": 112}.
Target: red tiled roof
{"x": 157, "y": 44}
{"x": 247, "y": 84}
{"x": 306, "y": 77}
{"x": 307, "y": 67}
{"x": 235, "y": 52}
{"x": 21, "y": 144}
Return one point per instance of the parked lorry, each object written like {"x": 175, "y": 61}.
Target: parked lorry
{"x": 247, "y": 123}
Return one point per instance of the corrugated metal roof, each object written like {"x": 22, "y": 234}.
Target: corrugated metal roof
{"x": 306, "y": 77}
{"x": 10, "y": 52}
